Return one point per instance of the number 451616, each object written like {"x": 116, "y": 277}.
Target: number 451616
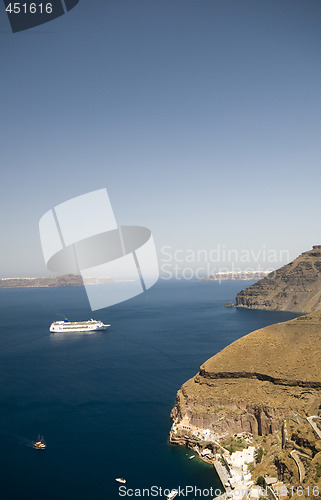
{"x": 32, "y": 8}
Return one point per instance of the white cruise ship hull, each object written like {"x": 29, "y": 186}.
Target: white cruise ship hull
{"x": 77, "y": 326}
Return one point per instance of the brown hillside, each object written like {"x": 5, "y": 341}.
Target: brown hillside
{"x": 294, "y": 287}
{"x": 257, "y": 381}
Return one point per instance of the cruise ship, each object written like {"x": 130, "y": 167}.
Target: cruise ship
{"x": 77, "y": 326}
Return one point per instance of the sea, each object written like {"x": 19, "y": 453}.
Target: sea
{"x": 102, "y": 401}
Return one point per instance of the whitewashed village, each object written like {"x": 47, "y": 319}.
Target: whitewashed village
{"x": 233, "y": 469}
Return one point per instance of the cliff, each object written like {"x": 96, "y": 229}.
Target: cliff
{"x": 294, "y": 287}
{"x": 252, "y": 385}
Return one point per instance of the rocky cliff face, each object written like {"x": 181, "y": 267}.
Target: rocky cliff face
{"x": 294, "y": 287}
{"x": 253, "y": 384}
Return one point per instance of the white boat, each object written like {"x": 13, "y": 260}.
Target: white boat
{"x": 192, "y": 456}
{"x": 172, "y": 494}
{"x": 77, "y": 326}
{"x": 120, "y": 480}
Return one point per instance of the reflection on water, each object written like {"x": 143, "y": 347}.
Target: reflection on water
{"x": 58, "y": 336}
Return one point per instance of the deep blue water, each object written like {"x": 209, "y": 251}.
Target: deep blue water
{"x": 103, "y": 401}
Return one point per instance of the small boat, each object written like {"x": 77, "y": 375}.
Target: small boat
{"x": 120, "y": 480}
{"x": 190, "y": 458}
{"x": 40, "y": 444}
{"x": 172, "y": 494}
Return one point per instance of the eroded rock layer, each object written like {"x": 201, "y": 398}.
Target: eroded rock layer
{"x": 254, "y": 383}
{"x": 294, "y": 287}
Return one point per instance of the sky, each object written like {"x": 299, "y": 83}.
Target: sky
{"x": 202, "y": 119}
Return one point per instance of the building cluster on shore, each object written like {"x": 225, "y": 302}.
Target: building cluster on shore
{"x": 238, "y": 275}
{"x": 233, "y": 469}
{"x": 234, "y": 473}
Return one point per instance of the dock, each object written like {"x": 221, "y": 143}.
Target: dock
{"x": 222, "y": 472}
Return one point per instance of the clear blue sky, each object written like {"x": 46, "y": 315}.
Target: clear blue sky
{"x": 202, "y": 118}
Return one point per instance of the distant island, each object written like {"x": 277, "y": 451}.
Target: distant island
{"x": 237, "y": 275}
{"x": 51, "y": 281}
